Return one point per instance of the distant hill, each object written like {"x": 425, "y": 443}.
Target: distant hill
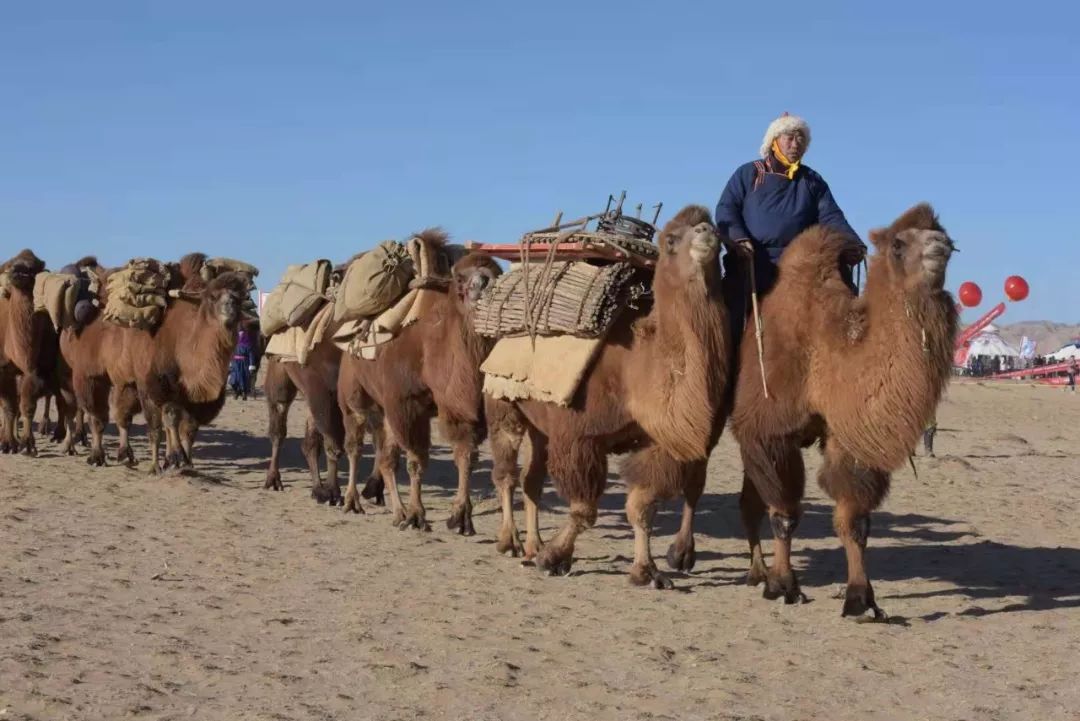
{"x": 1049, "y": 336}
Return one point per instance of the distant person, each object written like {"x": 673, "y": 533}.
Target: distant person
{"x": 928, "y": 437}
{"x": 768, "y": 202}
{"x": 1073, "y": 370}
{"x": 242, "y": 366}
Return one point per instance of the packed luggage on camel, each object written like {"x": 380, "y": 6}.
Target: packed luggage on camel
{"x": 611, "y": 344}
{"x": 158, "y": 341}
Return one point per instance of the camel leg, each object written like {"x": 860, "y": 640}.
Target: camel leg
{"x": 387, "y": 463}
{"x": 354, "y": 442}
{"x": 93, "y": 398}
{"x": 45, "y": 425}
{"x": 375, "y": 487}
{"x": 776, "y": 468}
{"x": 29, "y": 388}
{"x": 682, "y": 553}
{"x": 171, "y": 415}
{"x": 324, "y": 415}
{"x": 506, "y": 437}
{"x": 154, "y": 430}
{"x": 640, "y": 510}
{"x": 858, "y": 490}
{"x": 752, "y": 511}
{"x": 579, "y": 470}
{"x": 533, "y": 486}
{"x": 416, "y": 461}
{"x": 279, "y": 416}
{"x": 8, "y": 444}
{"x": 189, "y": 431}
{"x": 122, "y": 410}
{"x": 66, "y": 415}
{"x": 461, "y": 436}
{"x": 311, "y": 446}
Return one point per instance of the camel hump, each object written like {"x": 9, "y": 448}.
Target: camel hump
{"x": 434, "y": 236}
{"x": 817, "y": 244}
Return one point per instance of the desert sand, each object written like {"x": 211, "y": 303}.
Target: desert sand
{"x": 203, "y": 596}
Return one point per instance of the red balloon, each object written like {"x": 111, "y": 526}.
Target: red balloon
{"x": 970, "y": 294}
{"x": 1016, "y": 288}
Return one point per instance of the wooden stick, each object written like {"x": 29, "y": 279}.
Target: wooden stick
{"x": 757, "y": 327}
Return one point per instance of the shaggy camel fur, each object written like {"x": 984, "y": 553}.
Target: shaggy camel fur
{"x": 431, "y": 368}
{"x": 29, "y": 356}
{"x": 861, "y": 375}
{"x": 184, "y": 362}
{"x": 656, "y": 391}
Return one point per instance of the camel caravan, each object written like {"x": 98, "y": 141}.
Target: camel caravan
{"x": 605, "y": 336}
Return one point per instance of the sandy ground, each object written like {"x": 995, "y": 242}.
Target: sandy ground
{"x": 206, "y": 597}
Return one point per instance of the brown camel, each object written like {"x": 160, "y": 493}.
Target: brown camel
{"x": 431, "y": 368}
{"x": 29, "y": 355}
{"x": 860, "y": 375}
{"x": 655, "y": 391}
{"x": 183, "y": 362}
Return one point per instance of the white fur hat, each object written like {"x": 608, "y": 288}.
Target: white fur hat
{"x": 786, "y": 123}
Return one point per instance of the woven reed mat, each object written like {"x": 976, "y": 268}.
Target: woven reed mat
{"x": 550, "y": 372}
{"x": 295, "y": 344}
{"x": 572, "y": 297}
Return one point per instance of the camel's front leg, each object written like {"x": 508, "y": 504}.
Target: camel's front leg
{"x": 29, "y": 387}
{"x": 462, "y": 437}
{"x": 505, "y": 440}
{"x": 354, "y": 442}
{"x": 682, "y": 553}
{"x": 775, "y": 467}
{"x": 416, "y": 460}
{"x": 858, "y": 491}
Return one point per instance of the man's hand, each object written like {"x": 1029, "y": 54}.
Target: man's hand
{"x": 743, "y": 247}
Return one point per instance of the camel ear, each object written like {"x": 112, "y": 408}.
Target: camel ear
{"x": 879, "y": 237}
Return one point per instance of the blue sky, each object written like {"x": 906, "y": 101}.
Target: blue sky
{"x": 282, "y": 132}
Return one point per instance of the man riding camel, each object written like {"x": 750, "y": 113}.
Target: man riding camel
{"x": 768, "y": 202}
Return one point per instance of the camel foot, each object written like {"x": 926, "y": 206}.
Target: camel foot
{"x": 414, "y": 518}
{"x": 29, "y": 448}
{"x": 784, "y": 586}
{"x": 96, "y": 457}
{"x": 67, "y": 449}
{"x": 58, "y": 434}
{"x": 156, "y": 470}
{"x": 555, "y": 561}
{"x": 352, "y": 502}
{"x": 373, "y": 490}
{"x": 509, "y": 541}
{"x": 858, "y": 600}
{"x": 273, "y": 481}
{"x": 125, "y": 455}
{"x": 177, "y": 460}
{"x": 681, "y": 555}
{"x": 757, "y": 573}
{"x": 461, "y": 518}
{"x": 329, "y": 494}
{"x": 650, "y": 575}
{"x": 532, "y": 549}
{"x": 7, "y": 447}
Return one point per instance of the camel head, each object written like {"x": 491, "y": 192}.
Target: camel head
{"x": 224, "y": 298}
{"x": 470, "y": 277}
{"x": 21, "y": 270}
{"x": 915, "y": 249}
{"x": 690, "y": 242}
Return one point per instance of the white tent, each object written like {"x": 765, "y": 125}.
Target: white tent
{"x": 989, "y": 342}
{"x": 1067, "y": 352}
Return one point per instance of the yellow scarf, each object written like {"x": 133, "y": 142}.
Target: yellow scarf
{"x": 791, "y": 167}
